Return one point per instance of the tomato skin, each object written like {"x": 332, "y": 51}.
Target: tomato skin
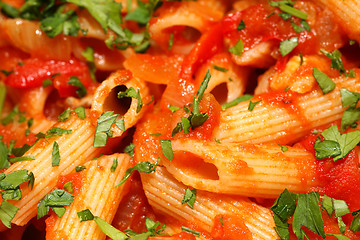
{"x": 34, "y": 71}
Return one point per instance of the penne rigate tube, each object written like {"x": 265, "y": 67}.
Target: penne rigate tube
{"x": 283, "y": 117}
{"x": 106, "y": 99}
{"x": 242, "y": 169}
{"x": 165, "y": 194}
{"x": 75, "y": 149}
{"x": 97, "y": 192}
{"x": 347, "y": 13}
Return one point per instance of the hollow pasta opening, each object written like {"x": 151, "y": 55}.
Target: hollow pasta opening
{"x": 113, "y": 103}
{"x": 194, "y": 166}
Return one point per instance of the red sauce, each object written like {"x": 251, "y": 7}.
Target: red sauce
{"x": 133, "y": 208}
{"x": 340, "y": 179}
{"x": 75, "y": 178}
{"x": 228, "y": 227}
{"x": 287, "y": 100}
{"x": 261, "y": 26}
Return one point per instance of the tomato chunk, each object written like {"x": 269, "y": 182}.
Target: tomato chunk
{"x": 34, "y": 71}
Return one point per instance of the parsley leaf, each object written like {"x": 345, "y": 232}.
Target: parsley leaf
{"x": 326, "y": 148}
{"x": 221, "y": 69}
{"x": 143, "y": 12}
{"x": 283, "y": 148}
{"x": 7, "y": 213}
{"x": 85, "y": 215}
{"x": 114, "y": 165}
{"x": 288, "y": 45}
{"x": 56, "y": 200}
{"x": 236, "y": 101}
{"x": 75, "y": 81}
{"x": 167, "y": 149}
{"x": 355, "y": 223}
{"x": 189, "y": 197}
{"x": 131, "y": 92}
{"x": 2, "y": 96}
{"x": 109, "y": 230}
{"x": 241, "y": 26}
{"x": 64, "y": 116}
{"x": 349, "y": 98}
{"x": 336, "y": 61}
{"x": 55, "y": 156}
{"x": 80, "y": 168}
{"x": 325, "y": 82}
{"x": 143, "y": 167}
{"x": 308, "y": 214}
{"x": 80, "y": 111}
{"x": 188, "y": 230}
{"x": 238, "y": 48}
{"x": 346, "y": 141}
{"x": 104, "y": 123}
{"x": 252, "y": 105}
{"x": 130, "y": 149}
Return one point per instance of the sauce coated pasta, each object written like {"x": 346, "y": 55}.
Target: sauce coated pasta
{"x": 170, "y": 119}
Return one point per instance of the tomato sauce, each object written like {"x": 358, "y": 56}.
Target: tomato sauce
{"x": 228, "y": 227}
{"x": 263, "y": 23}
{"x": 340, "y": 179}
{"x": 133, "y": 208}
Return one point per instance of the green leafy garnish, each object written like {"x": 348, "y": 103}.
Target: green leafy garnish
{"x": 236, "y": 101}
{"x": 131, "y": 92}
{"x": 7, "y": 213}
{"x": 355, "y": 223}
{"x": 188, "y": 230}
{"x": 75, "y": 81}
{"x": 85, "y": 215}
{"x": 326, "y": 148}
{"x": 336, "y": 61}
{"x": 109, "y": 230}
{"x": 80, "y": 168}
{"x": 221, "y": 69}
{"x": 167, "y": 149}
{"x": 288, "y": 45}
{"x": 114, "y": 165}
{"x": 238, "y": 48}
{"x": 325, "y": 83}
{"x": 189, "y": 197}
{"x": 283, "y": 148}
{"x": 55, "y": 156}
{"x": 142, "y": 167}
{"x": 252, "y": 105}
{"x": 69, "y": 187}
{"x": 241, "y": 26}
{"x": 64, "y": 116}
{"x": 104, "y": 123}
{"x": 80, "y": 111}
{"x": 56, "y": 200}
{"x": 171, "y": 41}
{"x": 130, "y": 149}
{"x": 346, "y": 141}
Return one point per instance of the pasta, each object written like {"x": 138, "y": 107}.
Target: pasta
{"x": 194, "y": 120}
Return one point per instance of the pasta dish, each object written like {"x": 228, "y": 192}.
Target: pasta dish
{"x": 179, "y": 119}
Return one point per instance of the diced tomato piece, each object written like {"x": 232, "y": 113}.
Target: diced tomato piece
{"x": 34, "y": 71}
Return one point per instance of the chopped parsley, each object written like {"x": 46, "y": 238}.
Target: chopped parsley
{"x": 131, "y": 92}
{"x": 283, "y": 148}
{"x": 55, "y": 156}
{"x": 80, "y": 111}
{"x": 189, "y": 197}
{"x": 171, "y": 41}
{"x": 142, "y": 167}
{"x": 85, "y": 215}
{"x": 346, "y": 142}
{"x": 325, "y": 83}
{"x": 238, "y": 48}
{"x": 114, "y": 165}
{"x": 252, "y": 105}
{"x": 221, "y": 69}
{"x": 64, "y": 116}
{"x": 288, "y": 45}
{"x": 102, "y": 132}
{"x": 167, "y": 149}
{"x": 56, "y": 200}
{"x": 129, "y": 149}
{"x": 2, "y": 96}
{"x": 188, "y": 230}
{"x": 75, "y": 81}
{"x": 336, "y": 61}
{"x": 236, "y": 101}
{"x": 288, "y": 7}
{"x": 80, "y": 168}
{"x": 109, "y": 230}
{"x": 120, "y": 124}
{"x": 351, "y": 114}
{"x": 7, "y": 213}
{"x": 69, "y": 187}
{"x": 173, "y": 108}
{"x": 241, "y": 26}
{"x": 355, "y": 224}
